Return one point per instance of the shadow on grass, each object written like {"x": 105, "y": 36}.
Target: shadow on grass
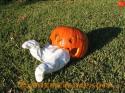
{"x": 100, "y": 37}
{"x": 97, "y": 39}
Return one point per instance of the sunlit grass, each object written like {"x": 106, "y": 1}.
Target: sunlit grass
{"x": 104, "y": 62}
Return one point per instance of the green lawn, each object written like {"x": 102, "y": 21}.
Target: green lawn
{"x": 99, "y": 19}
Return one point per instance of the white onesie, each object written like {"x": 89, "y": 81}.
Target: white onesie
{"x": 52, "y": 57}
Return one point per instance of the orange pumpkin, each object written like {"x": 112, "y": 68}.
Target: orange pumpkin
{"x": 71, "y": 39}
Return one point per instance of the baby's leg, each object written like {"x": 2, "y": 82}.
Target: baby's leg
{"x": 39, "y": 72}
{"x": 49, "y": 67}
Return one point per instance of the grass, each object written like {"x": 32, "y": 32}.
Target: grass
{"x": 99, "y": 19}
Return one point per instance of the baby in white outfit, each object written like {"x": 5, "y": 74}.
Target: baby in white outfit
{"x": 52, "y": 57}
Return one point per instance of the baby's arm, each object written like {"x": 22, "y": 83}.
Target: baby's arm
{"x": 34, "y": 48}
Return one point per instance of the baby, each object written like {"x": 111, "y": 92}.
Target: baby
{"x": 52, "y": 57}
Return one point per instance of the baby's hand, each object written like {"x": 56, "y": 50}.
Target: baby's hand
{"x": 30, "y": 44}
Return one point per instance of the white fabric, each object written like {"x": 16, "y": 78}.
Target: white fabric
{"x": 52, "y": 58}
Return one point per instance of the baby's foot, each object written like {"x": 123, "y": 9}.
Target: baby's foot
{"x": 39, "y": 74}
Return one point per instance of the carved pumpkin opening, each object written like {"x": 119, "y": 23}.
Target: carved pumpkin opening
{"x": 70, "y": 40}
{"x": 56, "y": 35}
{"x": 68, "y": 49}
{"x": 57, "y": 38}
{"x": 73, "y": 51}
